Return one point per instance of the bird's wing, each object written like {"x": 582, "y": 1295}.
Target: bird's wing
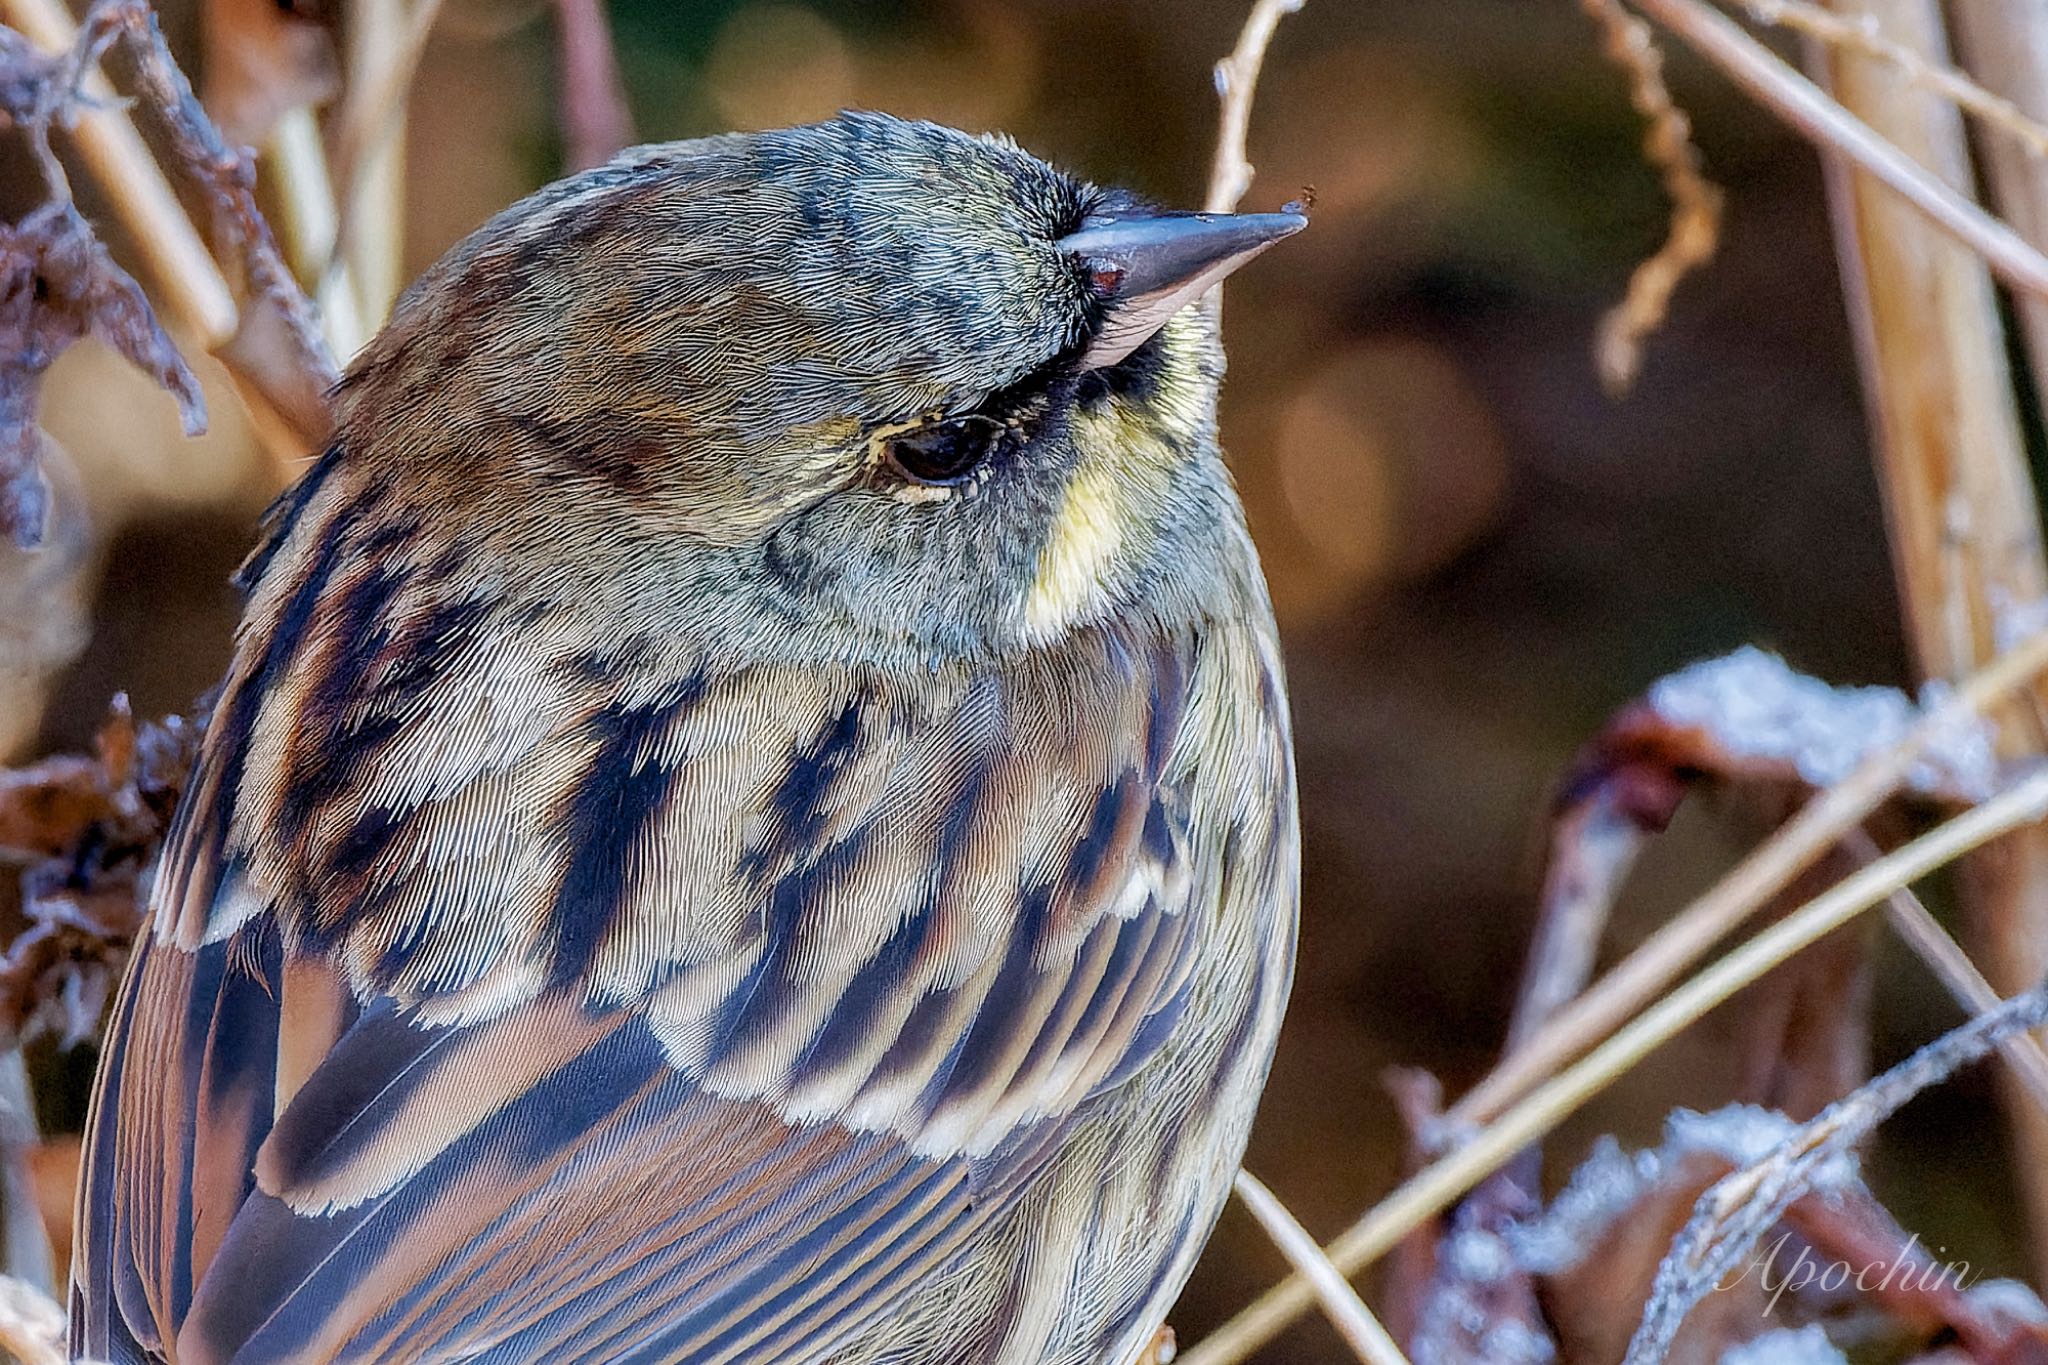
{"x": 768, "y": 992}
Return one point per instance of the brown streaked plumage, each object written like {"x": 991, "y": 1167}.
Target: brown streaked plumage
{"x": 752, "y": 816}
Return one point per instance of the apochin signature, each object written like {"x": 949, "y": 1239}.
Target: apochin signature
{"x": 1911, "y": 1268}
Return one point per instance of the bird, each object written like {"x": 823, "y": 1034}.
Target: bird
{"x": 752, "y": 813}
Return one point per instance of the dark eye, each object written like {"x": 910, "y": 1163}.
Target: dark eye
{"x": 944, "y": 453}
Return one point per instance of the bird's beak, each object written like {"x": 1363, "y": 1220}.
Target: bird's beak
{"x": 1146, "y": 269}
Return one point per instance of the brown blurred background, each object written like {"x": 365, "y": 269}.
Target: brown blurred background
{"x": 1476, "y": 554}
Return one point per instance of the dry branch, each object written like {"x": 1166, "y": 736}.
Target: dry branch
{"x": 2023, "y": 802}
{"x": 1347, "y": 1312}
{"x": 1864, "y": 36}
{"x": 591, "y": 95}
{"x": 1237, "y": 83}
{"x": 1733, "y": 1216}
{"x": 1695, "y": 229}
{"x": 84, "y": 831}
{"x": 1807, "y": 108}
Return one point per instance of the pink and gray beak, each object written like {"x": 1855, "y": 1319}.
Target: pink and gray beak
{"x": 1147, "y": 268}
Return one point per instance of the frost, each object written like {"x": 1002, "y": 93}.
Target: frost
{"x": 1745, "y": 1134}
{"x": 1755, "y": 706}
{"x": 1516, "y": 1343}
{"x": 1611, "y": 1182}
{"x": 1806, "y": 1346}
{"x": 1478, "y": 1256}
{"x": 1606, "y": 1186}
{"x": 2013, "y": 620}
{"x": 2011, "y": 1298}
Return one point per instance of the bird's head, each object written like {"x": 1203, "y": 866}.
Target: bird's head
{"x": 868, "y": 377}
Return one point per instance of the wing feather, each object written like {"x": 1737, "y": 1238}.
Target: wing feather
{"x": 694, "y": 1025}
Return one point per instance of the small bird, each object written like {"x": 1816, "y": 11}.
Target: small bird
{"x": 752, "y": 816}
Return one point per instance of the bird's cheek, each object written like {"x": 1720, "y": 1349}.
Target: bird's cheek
{"x": 1080, "y": 551}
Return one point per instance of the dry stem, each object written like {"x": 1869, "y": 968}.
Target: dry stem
{"x": 1237, "y": 81}
{"x": 1695, "y": 202}
{"x": 1960, "y": 502}
{"x": 1746, "y": 888}
{"x": 370, "y": 107}
{"x": 1808, "y": 109}
{"x": 1868, "y": 39}
{"x": 592, "y": 99}
{"x": 1733, "y": 1216}
{"x": 1347, "y": 1312}
{"x": 2023, "y": 803}
{"x": 1917, "y": 927}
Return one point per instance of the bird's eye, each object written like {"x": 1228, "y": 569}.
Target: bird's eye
{"x": 945, "y": 453}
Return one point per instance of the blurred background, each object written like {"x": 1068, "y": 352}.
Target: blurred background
{"x": 1476, "y": 554}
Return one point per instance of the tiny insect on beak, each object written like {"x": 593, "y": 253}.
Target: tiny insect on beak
{"x": 1147, "y": 268}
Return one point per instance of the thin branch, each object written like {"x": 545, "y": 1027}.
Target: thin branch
{"x": 592, "y": 98}
{"x": 1863, "y": 35}
{"x": 1420, "y": 1197}
{"x": 1765, "y": 872}
{"x": 1917, "y": 927}
{"x": 179, "y": 263}
{"x": 1696, "y": 203}
{"x": 1237, "y": 82}
{"x": 369, "y": 109}
{"x": 1835, "y": 130}
{"x": 1733, "y": 1216}
{"x": 1347, "y": 1312}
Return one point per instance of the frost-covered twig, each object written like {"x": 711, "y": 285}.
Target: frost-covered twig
{"x": 292, "y": 379}
{"x": 31, "y": 1324}
{"x": 1732, "y": 1217}
{"x": 1419, "y": 1198}
{"x": 1944, "y": 728}
{"x": 57, "y": 285}
{"x": 179, "y": 264}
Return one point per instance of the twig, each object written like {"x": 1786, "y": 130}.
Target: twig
{"x": 1736, "y": 1213}
{"x": 1593, "y": 845}
{"x": 1867, "y": 38}
{"x": 592, "y": 99}
{"x": 1696, "y": 203}
{"x": 1347, "y": 1312}
{"x": 372, "y": 230}
{"x": 1747, "y": 887}
{"x": 179, "y": 263}
{"x": 370, "y": 108}
{"x": 1807, "y": 108}
{"x": 1237, "y": 81}
{"x": 1917, "y": 927}
{"x": 31, "y": 1324}
{"x": 1422, "y": 1195}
